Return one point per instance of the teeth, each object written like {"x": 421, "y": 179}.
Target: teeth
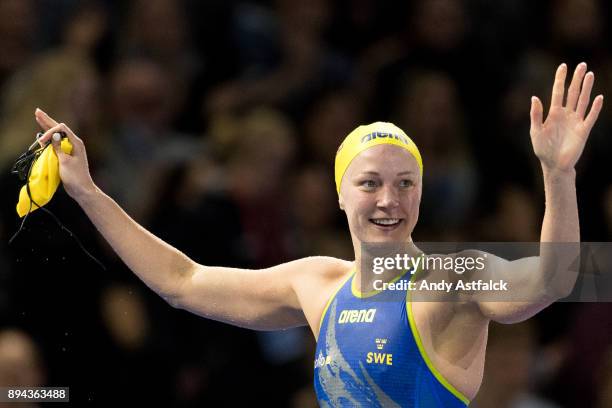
{"x": 386, "y": 221}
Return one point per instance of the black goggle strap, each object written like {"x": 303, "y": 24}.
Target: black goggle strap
{"x": 26, "y": 161}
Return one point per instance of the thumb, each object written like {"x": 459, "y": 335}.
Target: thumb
{"x": 536, "y": 114}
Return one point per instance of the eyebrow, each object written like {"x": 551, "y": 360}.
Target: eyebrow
{"x": 374, "y": 173}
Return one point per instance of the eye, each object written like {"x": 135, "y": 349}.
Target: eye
{"x": 406, "y": 183}
{"x": 368, "y": 184}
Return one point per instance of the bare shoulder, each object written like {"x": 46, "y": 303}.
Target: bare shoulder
{"x": 317, "y": 283}
{"x": 321, "y": 269}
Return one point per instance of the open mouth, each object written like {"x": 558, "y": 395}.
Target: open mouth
{"x": 386, "y": 223}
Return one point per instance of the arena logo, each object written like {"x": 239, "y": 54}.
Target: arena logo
{"x": 383, "y": 135}
{"x": 357, "y": 316}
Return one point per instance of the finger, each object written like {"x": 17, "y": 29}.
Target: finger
{"x": 56, "y": 142}
{"x": 574, "y": 89}
{"x": 559, "y": 86}
{"x": 38, "y": 139}
{"x": 594, "y": 113}
{"x": 536, "y": 113}
{"x": 44, "y": 120}
{"x": 585, "y": 94}
{"x": 46, "y": 137}
{"x": 77, "y": 143}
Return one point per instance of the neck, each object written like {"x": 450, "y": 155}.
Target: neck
{"x": 368, "y": 257}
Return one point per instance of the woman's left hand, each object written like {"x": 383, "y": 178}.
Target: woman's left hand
{"x": 559, "y": 141}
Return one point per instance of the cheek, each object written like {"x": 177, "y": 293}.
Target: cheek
{"x": 356, "y": 215}
{"x": 358, "y": 211}
{"x": 358, "y": 204}
{"x": 413, "y": 202}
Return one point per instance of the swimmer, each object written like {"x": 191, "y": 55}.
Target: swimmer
{"x": 391, "y": 354}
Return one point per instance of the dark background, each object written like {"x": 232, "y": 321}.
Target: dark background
{"x": 214, "y": 125}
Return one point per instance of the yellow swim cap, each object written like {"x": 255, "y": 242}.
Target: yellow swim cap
{"x": 44, "y": 179}
{"x": 366, "y": 136}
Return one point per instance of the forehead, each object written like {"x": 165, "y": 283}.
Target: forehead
{"x": 383, "y": 159}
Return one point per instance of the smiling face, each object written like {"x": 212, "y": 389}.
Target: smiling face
{"x": 381, "y": 193}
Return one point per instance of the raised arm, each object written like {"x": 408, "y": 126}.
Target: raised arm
{"x": 558, "y": 143}
{"x": 260, "y": 299}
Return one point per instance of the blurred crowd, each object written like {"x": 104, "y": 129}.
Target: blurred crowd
{"x": 214, "y": 124}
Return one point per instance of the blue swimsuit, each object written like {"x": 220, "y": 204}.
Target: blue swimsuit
{"x": 369, "y": 354}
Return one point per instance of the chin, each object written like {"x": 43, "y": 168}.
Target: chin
{"x": 387, "y": 236}
{"x": 371, "y": 234}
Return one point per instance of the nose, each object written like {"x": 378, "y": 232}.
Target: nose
{"x": 388, "y": 197}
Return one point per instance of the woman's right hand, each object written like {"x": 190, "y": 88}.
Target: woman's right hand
{"x": 74, "y": 169}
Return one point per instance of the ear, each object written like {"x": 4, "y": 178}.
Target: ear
{"x": 341, "y": 202}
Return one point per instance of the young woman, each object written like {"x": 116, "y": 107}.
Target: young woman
{"x": 403, "y": 353}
